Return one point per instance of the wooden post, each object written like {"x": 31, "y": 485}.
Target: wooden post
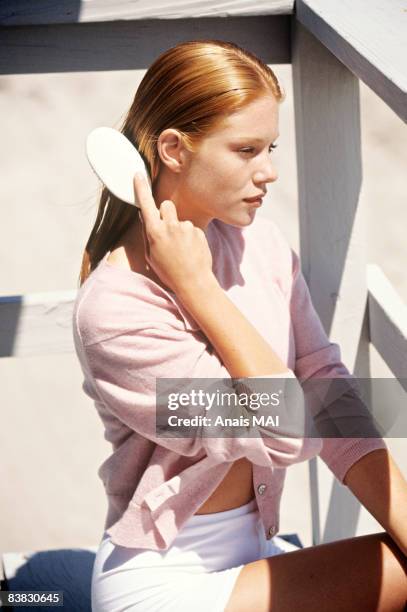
{"x": 332, "y": 232}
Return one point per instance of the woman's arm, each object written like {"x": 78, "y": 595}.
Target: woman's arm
{"x": 380, "y": 486}
{"x": 241, "y": 348}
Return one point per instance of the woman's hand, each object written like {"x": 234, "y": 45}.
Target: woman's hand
{"x": 177, "y": 250}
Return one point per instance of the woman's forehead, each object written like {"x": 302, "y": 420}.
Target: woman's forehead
{"x": 256, "y": 119}
{"x": 265, "y": 106}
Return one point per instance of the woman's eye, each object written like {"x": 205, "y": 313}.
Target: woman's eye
{"x": 251, "y": 149}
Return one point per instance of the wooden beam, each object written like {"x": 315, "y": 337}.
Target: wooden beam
{"x": 332, "y": 226}
{"x": 36, "y": 324}
{"x": 387, "y": 322}
{"x": 369, "y": 38}
{"x": 40, "y": 12}
{"x": 129, "y": 45}
{"x": 332, "y": 241}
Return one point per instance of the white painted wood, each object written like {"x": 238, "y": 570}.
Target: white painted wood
{"x": 332, "y": 240}
{"x": 332, "y": 234}
{"x": 36, "y": 324}
{"x": 128, "y": 45}
{"x": 314, "y": 500}
{"x": 26, "y": 12}
{"x": 387, "y": 321}
{"x": 369, "y": 38}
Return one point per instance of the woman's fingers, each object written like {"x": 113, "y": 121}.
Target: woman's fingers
{"x": 174, "y": 249}
{"x": 151, "y": 214}
{"x": 145, "y": 239}
{"x": 168, "y": 211}
{"x": 149, "y": 211}
{"x": 151, "y": 218}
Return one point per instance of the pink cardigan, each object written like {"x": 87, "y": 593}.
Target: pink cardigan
{"x": 128, "y": 331}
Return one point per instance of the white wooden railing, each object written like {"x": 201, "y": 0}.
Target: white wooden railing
{"x": 331, "y": 45}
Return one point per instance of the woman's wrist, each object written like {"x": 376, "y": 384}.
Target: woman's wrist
{"x": 192, "y": 291}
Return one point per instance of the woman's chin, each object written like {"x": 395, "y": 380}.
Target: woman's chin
{"x": 241, "y": 221}
{"x": 241, "y": 218}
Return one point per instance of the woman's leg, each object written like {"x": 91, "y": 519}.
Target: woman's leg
{"x": 361, "y": 574}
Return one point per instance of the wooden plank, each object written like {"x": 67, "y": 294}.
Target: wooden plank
{"x": 387, "y": 322}
{"x": 314, "y": 498}
{"x": 332, "y": 226}
{"x": 26, "y": 12}
{"x": 129, "y": 45}
{"x": 332, "y": 239}
{"x": 370, "y": 39}
{"x": 36, "y": 324}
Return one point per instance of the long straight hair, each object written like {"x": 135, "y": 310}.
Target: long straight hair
{"x": 191, "y": 87}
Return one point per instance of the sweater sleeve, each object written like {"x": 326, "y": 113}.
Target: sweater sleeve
{"x": 317, "y": 357}
{"x": 124, "y": 370}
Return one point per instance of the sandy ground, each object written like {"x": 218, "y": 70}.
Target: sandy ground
{"x": 51, "y": 439}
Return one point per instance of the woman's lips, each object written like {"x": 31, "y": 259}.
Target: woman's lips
{"x": 255, "y": 203}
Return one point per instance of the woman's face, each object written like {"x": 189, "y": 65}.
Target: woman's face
{"x": 232, "y": 164}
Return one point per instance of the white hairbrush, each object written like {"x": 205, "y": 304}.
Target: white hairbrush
{"x": 115, "y": 160}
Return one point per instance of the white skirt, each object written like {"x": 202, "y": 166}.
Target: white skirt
{"x": 197, "y": 572}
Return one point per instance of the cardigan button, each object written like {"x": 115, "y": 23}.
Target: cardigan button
{"x": 272, "y": 530}
{"x": 261, "y": 489}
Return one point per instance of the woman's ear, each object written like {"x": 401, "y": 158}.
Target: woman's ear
{"x": 171, "y": 150}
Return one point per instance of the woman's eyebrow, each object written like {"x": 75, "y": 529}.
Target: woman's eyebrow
{"x": 254, "y": 139}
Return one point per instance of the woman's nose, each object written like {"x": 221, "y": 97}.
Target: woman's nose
{"x": 267, "y": 173}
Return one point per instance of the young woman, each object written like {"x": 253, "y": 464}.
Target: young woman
{"x": 194, "y": 286}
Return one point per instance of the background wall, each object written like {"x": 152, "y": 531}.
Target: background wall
{"x": 51, "y": 439}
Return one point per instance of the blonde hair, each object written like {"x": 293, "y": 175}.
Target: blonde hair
{"x": 191, "y": 87}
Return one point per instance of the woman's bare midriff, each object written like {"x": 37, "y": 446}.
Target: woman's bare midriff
{"x": 236, "y": 489}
